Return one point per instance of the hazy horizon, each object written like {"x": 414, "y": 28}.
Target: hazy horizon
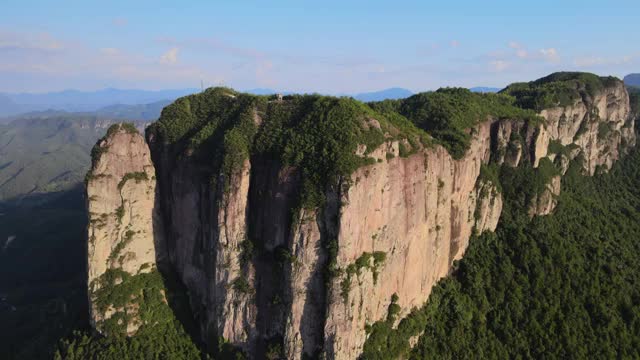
{"x": 331, "y": 47}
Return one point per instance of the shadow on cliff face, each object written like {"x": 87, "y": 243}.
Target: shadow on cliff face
{"x": 176, "y": 292}
{"x": 178, "y": 300}
{"x": 313, "y": 316}
{"x": 272, "y": 194}
{"x": 43, "y": 293}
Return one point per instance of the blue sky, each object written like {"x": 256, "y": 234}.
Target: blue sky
{"x": 323, "y": 46}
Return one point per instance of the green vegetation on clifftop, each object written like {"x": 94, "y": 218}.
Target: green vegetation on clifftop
{"x": 558, "y": 89}
{"x": 449, "y": 113}
{"x": 318, "y": 135}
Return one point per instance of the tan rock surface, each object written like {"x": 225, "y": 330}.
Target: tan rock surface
{"x": 121, "y": 211}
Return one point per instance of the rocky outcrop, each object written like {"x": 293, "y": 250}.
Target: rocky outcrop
{"x": 488, "y": 206}
{"x": 303, "y": 331}
{"x": 600, "y": 126}
{"x": 267, "y": 275}
{"x": 544, "y": 202}
{"x": 121, "y": 195}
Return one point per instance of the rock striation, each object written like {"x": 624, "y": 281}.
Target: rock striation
{"x": 121, "y": 195}
{"x": 268, "y": 275}
{"x": 599, "y": 126}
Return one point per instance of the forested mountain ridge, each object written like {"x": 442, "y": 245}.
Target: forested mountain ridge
{"x": 300, "y": 225}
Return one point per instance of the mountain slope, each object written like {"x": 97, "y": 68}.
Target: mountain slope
{"x": 8, "y": 107}
{"x": 149, "y": 112}
{"x": 89, "y": 101}
{"x": 43, "y": 287}
{"x": 44, "y": 153}
{"x": 73, "y": 100}
{"x": 632, "y": 80}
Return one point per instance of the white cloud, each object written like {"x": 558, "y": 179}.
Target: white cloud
{"x": 110, "y": 51}
{"x": 589, "y": 61}
{"x": 498, "y": 65}
{"x": 546, "y": 54}
{"x": 514, "y": 45}
{"x": 550, "y": 54}
{"x": 170, "y": 57}
{"x": 40, "y": 62}
{"x": 32, "y": 41}
{"x": 521, "y": 52}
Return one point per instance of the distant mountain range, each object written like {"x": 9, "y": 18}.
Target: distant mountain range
{"x": 390, "y": 93}
{"x": 144, "y": 104}
{"x": 48, "y": 152}
{"x": 149, "y": 112}
{"x": 82, "y": 101}
{"x": 8, "y": 107}
{"x": 122, "y": 103}
{"x": 632, "y": 80}
{"x": 483, "y": 89}
{"x": 144, "y": 112}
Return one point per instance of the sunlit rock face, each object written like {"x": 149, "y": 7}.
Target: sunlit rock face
{"x": 121, "y": 195}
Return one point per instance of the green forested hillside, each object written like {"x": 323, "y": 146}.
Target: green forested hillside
{"x": 168, "y": 330}
{"x": 563, "y": 286}
{"x": 447, "y": 114}
{"x": 43, "y": 284}
{"x": 44, "y": 153}
{"x": 557, "y": 89}
{"x": 632, "y": 80}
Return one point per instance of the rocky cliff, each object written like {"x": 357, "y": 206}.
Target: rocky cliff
{"x": 296, "y": 223}
{"x": 121, "y": 195}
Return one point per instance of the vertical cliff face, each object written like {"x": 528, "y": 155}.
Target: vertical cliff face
{"x": 276, "y": 259}
{"x": 404, "y": 221}
{"x": 416, "y": 214}
{"x": 121, "y": 196}
{"x": 206, "y": 229}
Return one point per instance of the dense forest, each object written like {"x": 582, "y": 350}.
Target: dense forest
{"x": 43, "y": 288}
